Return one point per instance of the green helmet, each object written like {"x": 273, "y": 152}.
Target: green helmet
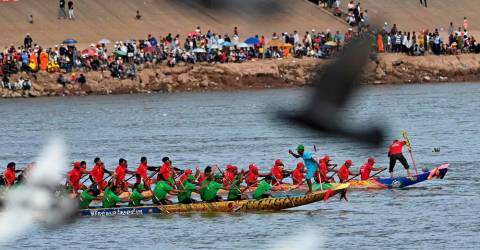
{"x": 300, "y": 147}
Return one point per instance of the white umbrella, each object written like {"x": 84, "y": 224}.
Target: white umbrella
{"x": 104, "y": 41}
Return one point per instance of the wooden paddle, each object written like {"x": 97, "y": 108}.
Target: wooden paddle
{"x": 409, "y": 147}
{"x": 378, "y": 173}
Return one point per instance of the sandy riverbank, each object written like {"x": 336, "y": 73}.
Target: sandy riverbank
{"x": 287, "y": 73}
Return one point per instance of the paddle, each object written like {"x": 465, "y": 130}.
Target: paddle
{"x": 377, "y": 173}
{"x": 275, "y": 178}
{"x": 353, "y": 177}
{"x": 409, "y": 147}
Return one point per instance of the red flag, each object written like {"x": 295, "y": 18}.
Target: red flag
{"x": 328, "y": 194}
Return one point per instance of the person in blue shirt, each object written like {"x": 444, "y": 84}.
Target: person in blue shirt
{"x": 310, "y": 163}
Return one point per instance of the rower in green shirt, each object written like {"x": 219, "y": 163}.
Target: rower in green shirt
{"x": 263, "y": 187}
{"x": 160, "y": 192}
{"x": 210, "y": 190}
{"x": 235, "y": 192}
{"x": 110, "y": 198}
{"x": 86, "y": 197}
{"x": 137, "y": 197}
{"x": 188, "y": 186}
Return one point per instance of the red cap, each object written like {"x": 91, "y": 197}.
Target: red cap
{"x": 371, "y": 160}
{"x": 188, "y": 171}
{"x": 234, "y": 168}
{"x": 349, "y": 162}
{"x": 300, "y": 165}
{"x": 252, "y": 167}
{"x": 278, "y": 162}
{"x": 326, "y": 158}
{"x": 76, "y": 164}
{"x": 229, "y": 167}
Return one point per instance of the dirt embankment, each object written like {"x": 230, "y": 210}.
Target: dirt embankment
{"x": 386, "y": 69}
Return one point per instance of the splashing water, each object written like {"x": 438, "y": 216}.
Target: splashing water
{"x": 311, "y": 239}
{"x": 36, "y": 200}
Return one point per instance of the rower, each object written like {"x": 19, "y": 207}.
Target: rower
{"x": 110, "y": 196}
{"x": 367, "y": 168}
{"x": 187, "y": 173}
{"x": 137, "y": 197}
{"x": 230, "y": 175}
{"x": 166, "y": 172}
{"x": 324, "y": 169}
{"x": 74, "y": 177}
{"x": 277, "y": 172}
{"x": 252, "y": 176}
{"x": 97, "y": 174}
{"x": 206, "y": 175}
{"x": 298, "y": 174}
{"x": 10, "y": 174}
{"x": 211, "y": 188}
{"x": 263, "y": 188}
{"x": 141, "y": 173}
{"x": 189, "y": 186}
{"x": 235, "y": 192}
{"x": 120, "y": 172}
{"x": 345, "y": 171}
{"x": 160, "y": 192}
{"x": 87, "y": 196}
{"x": 395, "y": 153}
{"x": 310, "y": 163}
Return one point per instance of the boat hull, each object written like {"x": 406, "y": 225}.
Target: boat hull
{"x": 268, "y": 204}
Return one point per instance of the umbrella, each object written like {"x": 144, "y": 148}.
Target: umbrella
{"x": 252, "y": 40}
{"x": 89, "y": 52}
{"x": 243, "y": 45}
{"x": 275, "y": 43}
{"x": 104, "y": 41}
{"x": 69, "y": 41}
{"x": 193, "y": 33}
{"x": 215, "y": 46}
{"x": 331, "y": 43}
{"x": 199, "y": 50}
{"x": 227, "y": 44}
{"x": 120, "y": 53}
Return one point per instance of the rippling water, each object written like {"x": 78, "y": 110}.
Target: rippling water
{"x": 236, "y": 127}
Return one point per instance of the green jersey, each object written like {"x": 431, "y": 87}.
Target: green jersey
{"x": 161, "y": 190}
{"x": 189, "y": 188}
{"x": 110, "y": 199}
{"x": 85, "y": 200}
{"x": 263, "y": 187}
{"x": 235, "y": 193}
{"x": 202, "y": 191}
{"x": 211, "y": 190}
{"x": 136, "y": 199}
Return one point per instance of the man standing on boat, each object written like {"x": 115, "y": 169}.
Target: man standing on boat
{"x": 395, "y": 153}
{"x": 310, "y": 163}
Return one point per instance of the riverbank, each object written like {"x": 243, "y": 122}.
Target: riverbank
{"x": 264, "y": 74}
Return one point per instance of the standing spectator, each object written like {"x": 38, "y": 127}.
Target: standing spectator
{"x": 138, "y": 16}
{"x": 465, "y": 23}
{"x": 30, "y": 19}
{"x": 61, "y": 10}
{"x": 27, "y": 41}
{"x": 423, "y": 2}
{"x": 451, "y": 29}
{"x": 71, "y": 14}
{"x": 81, "y": 79}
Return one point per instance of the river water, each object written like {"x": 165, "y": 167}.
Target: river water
{"x": 196, "y": 129}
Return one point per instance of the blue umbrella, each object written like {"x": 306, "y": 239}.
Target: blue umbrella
{"x": 227, "y": 44}
{"x": 252, "y": 40}
{"x": 70, "y": 41}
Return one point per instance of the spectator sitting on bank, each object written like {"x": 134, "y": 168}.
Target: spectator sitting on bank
{"x": 81, "y": 79}
{"x": 61, "y": 80}
{"x": 138, "y": 16}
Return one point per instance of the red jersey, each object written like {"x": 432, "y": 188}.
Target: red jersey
{"x": 343, "y": 173}
{"x": 396, "y": 147}
{"x": 228, "y": 178}
{"x": 74, "y": 177}
{"x": 365, "y": 171}
{"x": 277, "y": 174}
{"x": 97, "y": 173}
{"x": 297, "y": 177}
{"x": 166, "y": 172}
{"x": 142, "y": 171}
{"x": 9, "y": 177}
{"x": 120, "y": 171}
{"x": 323, "y": 170}
{"x": 202, "y": 178}
{"x": 185, "y": 175}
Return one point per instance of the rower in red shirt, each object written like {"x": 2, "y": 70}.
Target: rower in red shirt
{"x": 75, "y": 175}
{"x": 323, "y": 169}
{"x": 142, "y": 172}
{"x": 395, "y": 153}
{"x": 9, "y": 174}
{"x": 97, "y": 174}
{"x": 277, "y": 172}
{"x": 367, "y": 168}
{"x": 166, "y": 172}
{"x": 188, "y": 172}
{"x": 120, "y": 172}
{"x": 298, "y": 174}
{"x": 252, "y": 176}
{"x": 230, "y": 174}
{"x": 344, "y": 171}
